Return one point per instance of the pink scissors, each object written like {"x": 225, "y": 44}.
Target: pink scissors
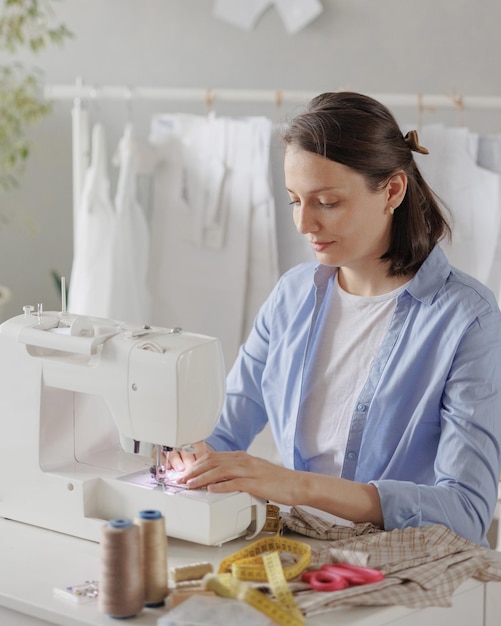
{"x": 336, "y": 576}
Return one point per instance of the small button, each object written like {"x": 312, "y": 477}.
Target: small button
{"x": 351, "y": 456}
{"x": 362, "y": 408}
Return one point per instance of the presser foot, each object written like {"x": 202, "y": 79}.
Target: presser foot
{"x": 158, "y": 473}
{"x": 167, "y": 478}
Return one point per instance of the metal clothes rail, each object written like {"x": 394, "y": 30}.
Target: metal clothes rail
{"x": 265, "y": 96}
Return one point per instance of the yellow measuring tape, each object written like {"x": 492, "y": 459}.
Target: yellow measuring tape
{"x": 261, "y": 562}
{"x": 247, "y": 564}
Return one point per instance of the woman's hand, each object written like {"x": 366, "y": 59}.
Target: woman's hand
{"x": 177, "y": 460}
{"x": 223, "y": 472}
{"x": 181, "y": 460}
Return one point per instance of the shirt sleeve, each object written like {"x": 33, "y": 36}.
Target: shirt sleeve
{"x": 244, "y": 414}
{"x": 467, "y": 465}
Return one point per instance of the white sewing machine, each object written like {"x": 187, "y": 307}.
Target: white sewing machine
{"x": 82, "y": 403}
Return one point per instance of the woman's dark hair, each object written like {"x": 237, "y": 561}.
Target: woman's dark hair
{"x": 361, "y": 133}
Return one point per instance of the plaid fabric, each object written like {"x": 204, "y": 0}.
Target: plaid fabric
{"x": 300, "y": 521}
{"x": 423, "y": 566}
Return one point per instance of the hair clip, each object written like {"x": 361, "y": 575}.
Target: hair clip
{"x": 412, "y": 140}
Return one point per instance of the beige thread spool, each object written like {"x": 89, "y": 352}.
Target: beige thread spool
{"x": 121, "y": 588}
{"x": 154, "y": 557}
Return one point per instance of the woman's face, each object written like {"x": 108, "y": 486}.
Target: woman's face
{"x": 346, "y": 223}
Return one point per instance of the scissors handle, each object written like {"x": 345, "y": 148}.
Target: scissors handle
{"x": 337, "y": 576}
{"x": 324, "y": 580}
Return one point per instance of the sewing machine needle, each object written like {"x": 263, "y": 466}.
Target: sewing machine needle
{"x": 159, "y": 466}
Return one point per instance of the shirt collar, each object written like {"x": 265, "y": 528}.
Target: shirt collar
{"x": 430, "y": 277}
{"x": 323, "y": 273}
{"x": 424, "y": 286}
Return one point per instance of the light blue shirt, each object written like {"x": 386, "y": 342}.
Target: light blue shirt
{"x": 426, "y": 429}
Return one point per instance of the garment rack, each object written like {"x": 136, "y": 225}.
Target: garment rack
{"x": 80, "y": 93}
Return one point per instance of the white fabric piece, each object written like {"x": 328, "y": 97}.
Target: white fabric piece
{"x": 241, "y": 13}
{"x": 201, "y": 251}
{"x": 297, "y": 14}
{"x": 470, "y": 192}
{"x": 91, "y": 275}
{"x": 129, "y": 293}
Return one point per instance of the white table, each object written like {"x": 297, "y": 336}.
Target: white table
{"x": 34, "y": 561}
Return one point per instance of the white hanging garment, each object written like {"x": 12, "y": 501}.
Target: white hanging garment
{"x": 206, "y": 176}
{"x": 263, "y": 271}
{"x": 293, "y": 248}
{"x": 489, "y": 157}
{"x": 91, "y": 275}
{"x": 129, "y": 293}
{"x": 470, "y": 192}
{"x": 216, "y": 178}
{"x": 200, "y": 248}
{"x": 174, "y": 226}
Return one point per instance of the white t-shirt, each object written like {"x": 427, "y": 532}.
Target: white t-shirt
{"x": 353, "y": 330}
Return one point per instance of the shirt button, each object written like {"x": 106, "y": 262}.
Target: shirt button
{"x": 362, "y": 408}
{"x": 351, "y": 456}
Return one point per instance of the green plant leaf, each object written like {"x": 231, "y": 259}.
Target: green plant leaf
{"x": 29, "y": 24}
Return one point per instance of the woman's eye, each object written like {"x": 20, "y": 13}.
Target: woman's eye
{"x": 324, "y": 205}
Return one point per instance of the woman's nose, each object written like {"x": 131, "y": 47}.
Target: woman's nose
{"x": 304, "y": 220}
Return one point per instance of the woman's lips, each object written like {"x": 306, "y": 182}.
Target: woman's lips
{"x": 320, "y": 246}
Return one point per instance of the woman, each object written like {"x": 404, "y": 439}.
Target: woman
{"x": 378, "y": 367}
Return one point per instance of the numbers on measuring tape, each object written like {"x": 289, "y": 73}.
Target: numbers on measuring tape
{"x": 261, "y": 562}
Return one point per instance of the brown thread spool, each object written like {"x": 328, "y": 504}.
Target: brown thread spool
{"x": 121, "y": 588}
{"x": 154, "y": 557}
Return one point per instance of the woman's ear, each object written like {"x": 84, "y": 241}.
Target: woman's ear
{"x": 396, "y": 188}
